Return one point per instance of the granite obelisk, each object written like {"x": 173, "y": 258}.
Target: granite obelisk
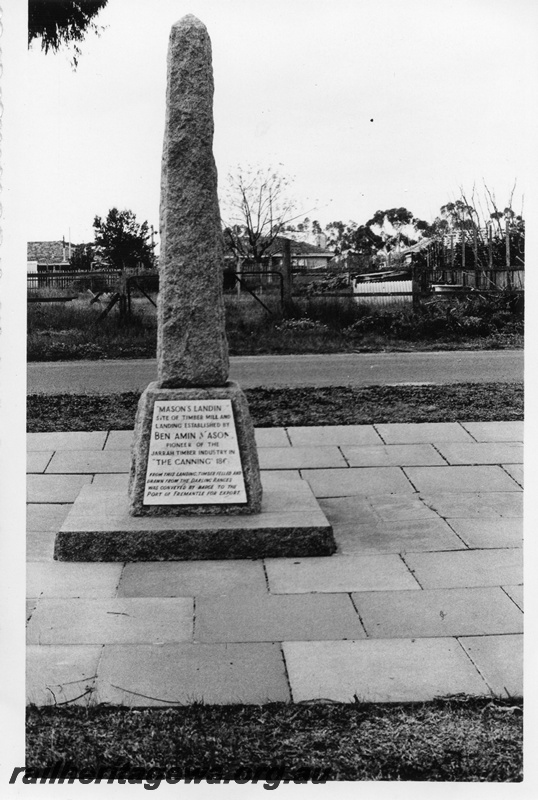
{"x": 194, "y": 487}
{"x": 194, "y": 450}
{"x": 191, "y": 348}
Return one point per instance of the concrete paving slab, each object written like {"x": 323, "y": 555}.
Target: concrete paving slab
{"x": 317, "y": 435}
{"x": 40, "y": 545}
{"x": 414, "y": 535}
{"x": 400, "y": 507}
{"x": 89, "y": 461}
{"x": 100, "y": 528}
{"x": 361, "y": 480}
{"x": 38, "y": 461}
{"x": 394, "y": 455}
{"x": 461, "y": 479}
{"x": 516, "y": 594}
{"x": 482, "y": 452}
{"x": 30, "y": 608}
{"x": 341, "y": 574}
{"x": 495, "y": 431}
{"x": 119, "y": 440}
{"x": 380, "y": 670}
{"x": 300, "y": 457}
{"x": 124, "y": 620}
{"x": 54, "y": 488}
{"x": 56, "y": 579}
{"x": 500, "y": 660}
{"x": 466, "y": 568}
{"x": 422, "y": 432}
{"x": 346, "y": 512}
{"x": 115, "y": 481}
{"x": 437, "y": 613}
{"x": 56, "y": 440}
{"x": 515, "y": 471}
{"x": 180, "y": 674}
{"x": 486, "y": 505}
{"x": 272, "y": 618}
{"x": 192, "y": 578}
{"x": 271, "y": 437}
{"x": 483, "y": 533}
{"x": 281, "y": 474}
{"x": 61, "y": 674}
{"x": 46, "y": 516}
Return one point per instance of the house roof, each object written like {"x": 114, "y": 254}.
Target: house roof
{"x": 298, "y": 249}
{"x": 47, "y": 252}
{"x": 422, "y": 244}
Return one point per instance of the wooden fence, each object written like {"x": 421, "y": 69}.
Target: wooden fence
{"x": 38, "y": 283}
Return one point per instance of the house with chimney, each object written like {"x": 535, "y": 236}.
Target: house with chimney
{"x": 48, "y": 256}
{"x": 305, "y": 257}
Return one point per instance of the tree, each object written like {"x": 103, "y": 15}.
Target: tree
{"x": 122, "y": 241}
{"x": 82, "y": 257}
{"x": 397, "y": 226}
{"x": 356, "y": 245}
{"x": 258, "y": 207}
{"x": 58, "y": 22}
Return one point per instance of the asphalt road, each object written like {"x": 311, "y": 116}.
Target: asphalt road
{"x": 349, "y": 369}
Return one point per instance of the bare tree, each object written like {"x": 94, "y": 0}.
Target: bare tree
{"x": 257, "y": 207}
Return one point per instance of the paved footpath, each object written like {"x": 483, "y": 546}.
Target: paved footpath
{"x": 423, "y": 598}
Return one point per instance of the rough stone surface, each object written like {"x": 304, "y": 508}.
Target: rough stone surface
{"x": 191, "y": 348}
{"x": 192, "y": 351}
{"x": 245, "y": 438}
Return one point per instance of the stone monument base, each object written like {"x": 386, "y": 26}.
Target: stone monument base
{"x": 194, "y": 453}
{"x": 99, "y": 527}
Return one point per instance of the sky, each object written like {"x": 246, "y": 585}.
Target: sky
{"x": 365, "y": 104}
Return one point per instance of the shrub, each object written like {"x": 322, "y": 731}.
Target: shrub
{"x": 475, "y": 315}
{"x": 301, "y": 324}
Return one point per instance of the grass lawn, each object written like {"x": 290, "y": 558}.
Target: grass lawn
{"x": 458, "y": 739}
{"x": 315, "y": 325}
{"x": 335, "y": 405}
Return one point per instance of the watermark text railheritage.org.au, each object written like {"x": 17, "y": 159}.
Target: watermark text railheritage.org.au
{"x": 269, "y": 778}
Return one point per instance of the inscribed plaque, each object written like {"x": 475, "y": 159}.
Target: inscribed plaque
{"x": 194, "y": 454}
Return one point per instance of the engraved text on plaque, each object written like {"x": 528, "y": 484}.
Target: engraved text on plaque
{"x": 194, "y": 454}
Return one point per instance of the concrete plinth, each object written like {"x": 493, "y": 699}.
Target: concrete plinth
{"x": 99, "y": 527}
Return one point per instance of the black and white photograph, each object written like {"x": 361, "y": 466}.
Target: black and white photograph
{"x": 267, "y": 357}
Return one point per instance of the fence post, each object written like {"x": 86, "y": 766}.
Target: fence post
{"x": 415, "y": 283}
{"x": 238, "y": 271}
{"x": 286, "y": 277}
{"x": 507, "y": 238}
{"x": 122, "y": 291}
{"x": 475, "y": 256}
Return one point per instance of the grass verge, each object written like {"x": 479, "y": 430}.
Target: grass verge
{"x": 314, "y": 325}
{"x": 335, "y": 405}
{"x": 456, "y": 739}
